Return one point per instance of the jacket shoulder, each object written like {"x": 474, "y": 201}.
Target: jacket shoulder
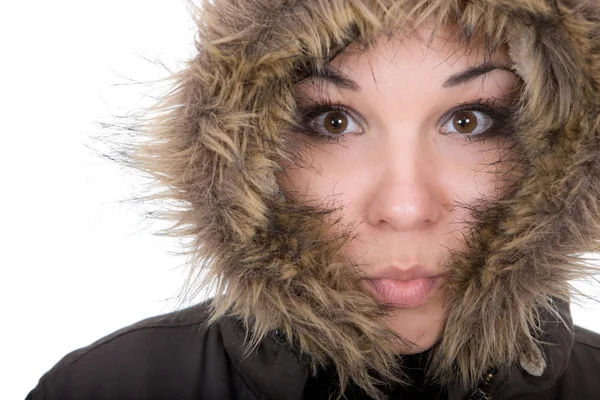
{"x": 169, "y": 356}
{"x": 580, "y": 380}
{"x": 584, "y": 363}
{"x": 587, "y": 339}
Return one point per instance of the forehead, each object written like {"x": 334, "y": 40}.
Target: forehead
{"x": 437, "y": 52}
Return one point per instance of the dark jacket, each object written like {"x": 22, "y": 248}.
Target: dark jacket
{"x": 217, "y": 145}
{"x": 176, "y": 356}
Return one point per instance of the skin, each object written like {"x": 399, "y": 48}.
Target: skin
{"x": 398, "y": 170}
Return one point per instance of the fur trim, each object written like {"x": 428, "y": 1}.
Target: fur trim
{"x": 534, "y": 363}
{"x": 219, "y": 137}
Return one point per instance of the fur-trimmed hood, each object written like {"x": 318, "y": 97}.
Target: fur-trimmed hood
{"x": 218, "y": 141}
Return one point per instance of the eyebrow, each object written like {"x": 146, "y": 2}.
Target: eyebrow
{"x": 470, "y": 74}
{"x": 343, "y": 81}
{"x": 334, "y": 76}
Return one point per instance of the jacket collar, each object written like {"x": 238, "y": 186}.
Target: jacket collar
{"x": 274, "y": 368}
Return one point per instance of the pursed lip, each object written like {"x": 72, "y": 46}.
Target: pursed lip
{"x": 398, "y": 274}
{"x": 404, "y": 288}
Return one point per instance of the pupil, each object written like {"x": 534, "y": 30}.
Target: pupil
{"x": 336, "y": 122}
{"x": 465, "y": 122}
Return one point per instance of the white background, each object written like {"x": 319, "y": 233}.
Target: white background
{"x": 77, "y": 263}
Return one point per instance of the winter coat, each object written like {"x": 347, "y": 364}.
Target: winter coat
{"x": 176, "y": 356}
{"x": 217, "y": 142}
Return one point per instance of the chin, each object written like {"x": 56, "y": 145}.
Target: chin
{"x": 421, "y": 327}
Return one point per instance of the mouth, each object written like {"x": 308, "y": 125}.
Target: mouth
{"x": 403, "y": 288}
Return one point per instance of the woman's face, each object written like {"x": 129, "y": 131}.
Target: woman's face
{"x": 398, "y": 136}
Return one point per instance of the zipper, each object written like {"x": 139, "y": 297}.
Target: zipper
{"x": 483, "y": 391}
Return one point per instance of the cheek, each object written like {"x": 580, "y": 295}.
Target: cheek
{"x": 326, "y": 180}
{"x": 322, "y": 179}
{"x": 479, "y": 171}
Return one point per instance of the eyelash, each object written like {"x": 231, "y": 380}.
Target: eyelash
{"x": 488, "y": 106}
{"x": 307, "y": 115}
{"x": 500, "y": 116}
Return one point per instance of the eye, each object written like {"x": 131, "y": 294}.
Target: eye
{"x": 467, "y": 123}
{"x": 335, "y": 123}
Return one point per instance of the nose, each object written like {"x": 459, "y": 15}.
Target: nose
{"x": 407, "y": 193}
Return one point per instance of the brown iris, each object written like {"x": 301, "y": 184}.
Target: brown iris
{"x": 465, "y": 121}
{"x": 336, "y": 122}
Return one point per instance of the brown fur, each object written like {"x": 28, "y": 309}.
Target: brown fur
{"x": 218, "y": 138}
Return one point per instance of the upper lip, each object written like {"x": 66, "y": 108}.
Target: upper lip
{"x": 403, "y": 274}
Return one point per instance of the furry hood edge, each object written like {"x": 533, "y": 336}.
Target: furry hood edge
{"x": 217, "y": 139}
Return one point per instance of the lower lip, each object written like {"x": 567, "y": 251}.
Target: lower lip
{"x": 412, "y": 293}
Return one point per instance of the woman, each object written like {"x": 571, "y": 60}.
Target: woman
{"x": 388, "y": 197}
